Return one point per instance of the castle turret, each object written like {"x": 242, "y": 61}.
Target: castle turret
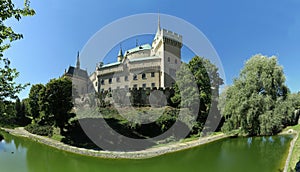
{"x": 120, "y": 55}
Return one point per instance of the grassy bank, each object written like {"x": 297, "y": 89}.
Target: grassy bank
{"x": 296, "y": 150}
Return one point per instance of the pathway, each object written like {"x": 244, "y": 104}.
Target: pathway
{"x": 148, "y": 153}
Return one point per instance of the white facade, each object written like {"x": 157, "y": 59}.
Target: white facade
{"x": 143, "y": 66}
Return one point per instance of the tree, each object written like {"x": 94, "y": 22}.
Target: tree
{"x": 19, "y": 109}
{"x": 204, "y": 75}
{"x": 57, "y": 100}
{"x": 35, "y": 98}
{"x": 255, "y": 103}
{"x": 8, "y": 88}
{"x": 20, "y": 113}
{"x": 294, "y": 103}
{"x": 26, "y": 106}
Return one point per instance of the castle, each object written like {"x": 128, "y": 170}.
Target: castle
{"x": 144, "y": 66}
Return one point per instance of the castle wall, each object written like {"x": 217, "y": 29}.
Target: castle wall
{"x": 166, "y": 45}
{"x": 118, "y": 80}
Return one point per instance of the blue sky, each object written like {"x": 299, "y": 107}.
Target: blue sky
{"x": 236, "y": 29}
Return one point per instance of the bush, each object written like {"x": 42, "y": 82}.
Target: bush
{"x": 7, "y": 121}
{"x": 45, "y": 130}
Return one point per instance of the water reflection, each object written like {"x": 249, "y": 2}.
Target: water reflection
{"x": 249, "y": 141}
{"x": 282, "y": 140}
{"x": 12, "y": 155}
{"x": 271, "y": 139}
{"x": 234, "y": 155}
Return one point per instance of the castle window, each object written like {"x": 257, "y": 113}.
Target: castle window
{"x": 96, "y": 84}
{"x": 135, "y": 86}
{"x": 168, "y": 59}
{"x": 110, "y": 80}
{"x": 109, "y": 89}
{"x": 152, "y": 85}
{"x": 118, "y": 79}
{"x": 126, "y": 78}
{"x": 152, "y": 74}
{"x": 134, "y": 77}
{"x": 102, "y": 81}
{"x": 144, "y": 76}
{"x": 144, "y": 85}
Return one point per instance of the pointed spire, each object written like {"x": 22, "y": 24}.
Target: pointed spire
{"x": 78, "y": 61}
{"x": 120, "y": 52}
{"x": 158, "y": 22}
{"x": 158, "y": 32}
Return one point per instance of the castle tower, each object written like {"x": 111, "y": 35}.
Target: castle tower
{"x": 167, "y": 45}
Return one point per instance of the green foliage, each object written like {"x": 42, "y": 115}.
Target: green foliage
{"x": 101, "y": 98}
{"x": 51, "y": 104}
{"x": 185, "y": 86}
{"x": 167, "y": 118}
{"x": 35, "y": 100}
{"x": 26, "y": 106}
{"x": 18, "y": 108}
{"x": 20, "y": 115}
{"x": 12, "y": 114}
{"x": 8, "y": 87}
{"x": 40, "y": 130}
{"x": 197, "y": 85}
{"x": 57, "y": 101}
{"x": 7, "y": 114}
{"x": 257, "y": 102}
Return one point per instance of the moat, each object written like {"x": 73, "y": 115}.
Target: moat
{"x": 266, "y": 154}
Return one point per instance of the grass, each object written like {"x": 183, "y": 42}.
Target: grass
{"x": 296, "y": 150}
{"x": 56, "y": 134}
{"x": 189, "y": 139}
{"x": 57, "y": 137}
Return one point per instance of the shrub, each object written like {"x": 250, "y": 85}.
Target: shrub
{"x": 7, "y": 121}
{"x": 44, "y": 130}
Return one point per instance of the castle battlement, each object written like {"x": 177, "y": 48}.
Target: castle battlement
{"x": 172, "y": 35}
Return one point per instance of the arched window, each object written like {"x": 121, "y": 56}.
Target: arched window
{"x": 144, "y": 76}
{"x": 134, "y": 77}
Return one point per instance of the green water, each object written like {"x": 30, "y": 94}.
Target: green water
{"x": 259, "y": 154}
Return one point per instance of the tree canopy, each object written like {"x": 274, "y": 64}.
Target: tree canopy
{"x": 57, "y": 101}
{"x": 256, "y": 103}
{"x": 35, "y": 98}
{"x": 198, "y": 81}
{"x": 8, "y": 87}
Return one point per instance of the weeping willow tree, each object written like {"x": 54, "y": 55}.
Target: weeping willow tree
{"x": 258, "y": 101}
